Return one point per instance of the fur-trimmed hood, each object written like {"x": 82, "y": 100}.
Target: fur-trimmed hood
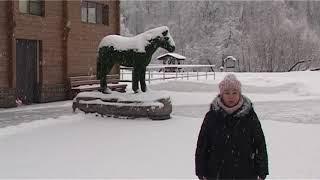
{"x": 243, "y": 110}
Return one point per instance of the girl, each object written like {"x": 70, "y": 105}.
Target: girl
{"x": 231, "y": 143}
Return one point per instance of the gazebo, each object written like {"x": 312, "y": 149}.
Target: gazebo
{"x": 171, "y": 59}
{"x": 229, "y": 63}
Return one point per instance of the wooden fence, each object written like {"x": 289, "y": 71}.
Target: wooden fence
{"x": 163, "y": 72}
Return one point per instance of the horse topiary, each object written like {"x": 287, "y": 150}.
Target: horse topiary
{"x": 133, "y": 52}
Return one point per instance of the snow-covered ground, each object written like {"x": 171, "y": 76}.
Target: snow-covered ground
{"x": 89, "y": 146}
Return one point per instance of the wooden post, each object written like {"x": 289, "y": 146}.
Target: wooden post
{"x": 149, "y": 76}
{"x": 12, "y": 44}
{"x": 182, "y": 73}
{"x": 176, "y": 73}
{"x": 197, "y": 73}
{"x": 164, "y": 69}
{"x": 65, "y": 40}
{"x": 121, "y": 72}
{"x": 206, "y": 73}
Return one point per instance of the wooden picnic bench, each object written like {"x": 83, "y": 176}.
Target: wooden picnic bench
{"x": 90, "y": 83}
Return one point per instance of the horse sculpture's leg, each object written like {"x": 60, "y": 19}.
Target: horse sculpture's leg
{"x": 142, "y": 79}
{"x": 135, "y": 79}
{"x": 138, "y": 75}
{"x": 104, "y": 65}
{"x": 103, "y": 80}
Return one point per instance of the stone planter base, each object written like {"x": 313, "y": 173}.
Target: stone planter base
{"x": 149, "y": 105}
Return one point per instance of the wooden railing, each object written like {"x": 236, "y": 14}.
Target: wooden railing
{"x": 163, "y": 72}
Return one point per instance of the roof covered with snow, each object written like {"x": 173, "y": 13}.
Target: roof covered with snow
{"x": 230, "y": 57}
{"x": 175, "y": 55}
{"x": 136, "y": 43}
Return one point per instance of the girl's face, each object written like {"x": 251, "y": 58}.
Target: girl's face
{"x": 230, "y": 97}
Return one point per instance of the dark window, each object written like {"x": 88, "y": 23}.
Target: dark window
{"x": 34, "y": 7}
{"x": 92, "y": 12}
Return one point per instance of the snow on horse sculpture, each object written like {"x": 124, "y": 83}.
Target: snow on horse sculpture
{"x": 133, "y": 52}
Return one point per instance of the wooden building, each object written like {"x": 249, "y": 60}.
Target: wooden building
{"x": 171, "y": 59}
{"x": 43, "y": 42}
{"x": 229, "y": 64}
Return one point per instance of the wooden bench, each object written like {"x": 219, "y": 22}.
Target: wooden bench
{"x": 315, "y": 69}
{"x": 90, "y": 83}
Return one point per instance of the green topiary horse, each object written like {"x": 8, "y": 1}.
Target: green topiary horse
{"x": 133, "y": 52}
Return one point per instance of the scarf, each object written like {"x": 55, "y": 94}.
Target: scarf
{"x": 230, "y": 110}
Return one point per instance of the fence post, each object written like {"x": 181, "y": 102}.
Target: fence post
{"x": 206, "y": 73}
{"x": 176, "y": 73}
{"x": 214, "y": 74}
{"x": 164, "y": 69}
{"x": 121, "y": 72}
{"x": 187, "y": 75}
{"x": 182, "y": 73}
{"x": 149, "y": 75}
{"x": 197, "y": 74}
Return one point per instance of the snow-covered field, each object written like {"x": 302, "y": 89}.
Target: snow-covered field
{"x": 89, "y": 146}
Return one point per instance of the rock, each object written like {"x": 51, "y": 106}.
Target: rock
{"x": 159, "y": 108}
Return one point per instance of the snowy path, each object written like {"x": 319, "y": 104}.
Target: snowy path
{"x": 275, "y": 111}
{"x": 306, "y": 111}
{"x": 15, "y": 116}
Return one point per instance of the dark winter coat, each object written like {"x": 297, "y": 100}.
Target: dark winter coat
{"x": 231, "y": 146}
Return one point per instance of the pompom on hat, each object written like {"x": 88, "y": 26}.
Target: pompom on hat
{"x": 230, "y": 81}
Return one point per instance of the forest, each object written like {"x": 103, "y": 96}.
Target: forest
{"x": 264, "y": 36}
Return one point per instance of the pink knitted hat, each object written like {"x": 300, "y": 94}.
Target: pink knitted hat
{"x": 230, "y": 81}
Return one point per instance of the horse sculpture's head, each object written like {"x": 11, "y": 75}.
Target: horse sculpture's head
{"x": 160, "y": 37}
{"x": 166, "y": 41}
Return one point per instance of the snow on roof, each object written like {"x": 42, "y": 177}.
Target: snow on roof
{"x": 230, "y": 57}
{"x": 178, "y": 56}
{"x": 137, "y": 43}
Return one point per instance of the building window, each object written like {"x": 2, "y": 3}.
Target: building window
{"x": 34, "y": 7}
{"x": 92, "y": 12}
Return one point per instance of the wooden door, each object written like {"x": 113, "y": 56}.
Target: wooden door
{"x": 26, "y": 70}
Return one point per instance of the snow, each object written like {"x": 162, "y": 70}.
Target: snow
{"x": 137, "y": 43}
{"x": 38, "y": 107}
{"x": 178, "y": 56}
{"x": 153, "y": 66}
{"x": 140, "y": 104}
{"x": 89, "y": 146}
{"x": 93, "y": 86}
{"x": 87, "y": 86}
{"x": 140, "y": 99}
{"x": 149, "y": 96}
